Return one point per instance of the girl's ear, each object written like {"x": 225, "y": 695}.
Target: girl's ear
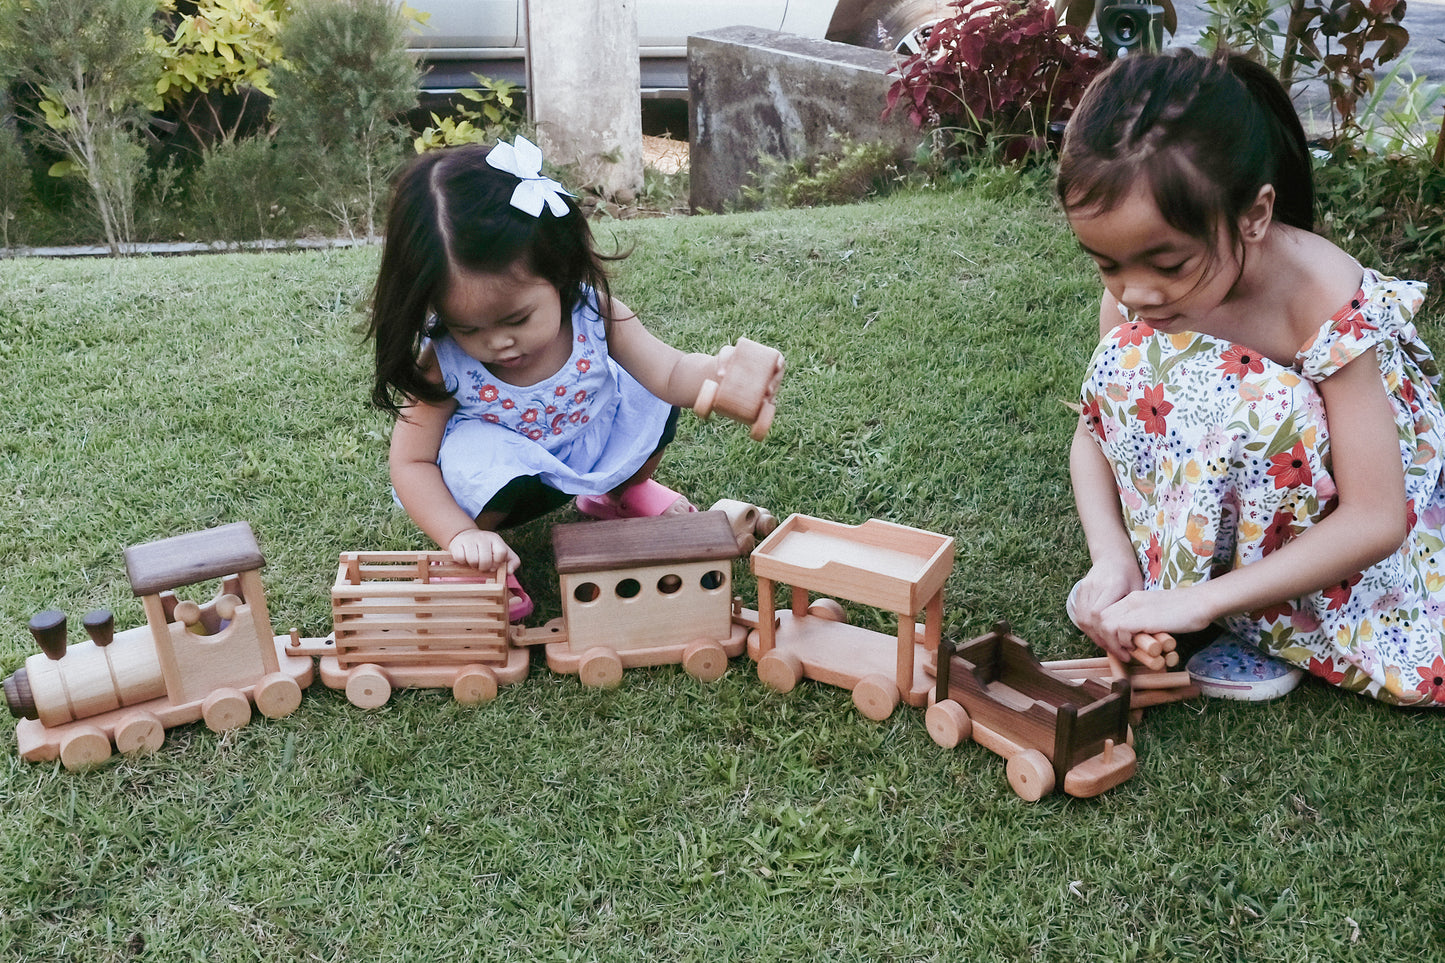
{"x": 1255, "y": 219}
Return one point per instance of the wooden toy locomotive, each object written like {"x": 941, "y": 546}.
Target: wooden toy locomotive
{"x": 187, "y": 662}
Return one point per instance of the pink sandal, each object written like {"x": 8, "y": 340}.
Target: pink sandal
{"x": 643, "y": 500}
{"x": 519, "y": 603}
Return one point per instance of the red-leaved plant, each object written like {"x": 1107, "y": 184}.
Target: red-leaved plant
{"x": 1000, "y": 69}
{"x": 1348, "y": 40}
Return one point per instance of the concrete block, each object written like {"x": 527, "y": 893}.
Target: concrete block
{"x": 758, "y": 93}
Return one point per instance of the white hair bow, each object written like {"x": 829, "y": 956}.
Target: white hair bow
{"x": 523, "y": 159}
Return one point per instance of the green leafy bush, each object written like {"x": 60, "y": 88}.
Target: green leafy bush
{"x": 91, "y": 69}
{"x": 495, "y": 116}
{"x": 341, "y": 97}
{"x": 236, "y": 193}
{"x": 1345, "y": 42}
{"x": 1342, "y": 43}
{"x": 219, "y": 51}
{"x": 1388, "y": 210}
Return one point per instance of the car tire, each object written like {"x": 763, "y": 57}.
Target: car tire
{"x": 896, "y": 24}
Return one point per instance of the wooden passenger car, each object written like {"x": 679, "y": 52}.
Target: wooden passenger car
{"x": 1052, "y": 731}
{"x": 645, "y": 591}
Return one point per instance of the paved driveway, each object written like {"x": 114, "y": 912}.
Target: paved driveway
{"x": 1425, "y": 19}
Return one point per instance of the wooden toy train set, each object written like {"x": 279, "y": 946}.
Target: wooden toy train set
{"x": 635, "y": 592}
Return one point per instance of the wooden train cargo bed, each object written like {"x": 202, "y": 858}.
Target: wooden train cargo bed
{"x": 1016, "y": 706}
{"x": 417, "y": 608}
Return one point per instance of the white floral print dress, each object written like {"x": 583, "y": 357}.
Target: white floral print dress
{"x": 1221, "y": 456}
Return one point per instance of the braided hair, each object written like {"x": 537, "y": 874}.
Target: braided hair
{"x": 1203, "y": 134}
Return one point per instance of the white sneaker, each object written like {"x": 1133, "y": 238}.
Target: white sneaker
{"x": 1230, "y": 669}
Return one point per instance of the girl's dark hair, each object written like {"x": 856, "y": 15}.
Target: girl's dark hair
{"x": 451, "y": 211}
{"x": 1203, "y": 134}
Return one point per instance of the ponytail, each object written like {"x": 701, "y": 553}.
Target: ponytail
{"x": 1202, "y": 135}
{"x": 1293, "y": 180}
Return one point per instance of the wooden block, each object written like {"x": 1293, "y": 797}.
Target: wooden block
{"x": 1159, "y": 680}
{"x": 1144, "y": 698}
{"x": 1155, "y": 662}
{"x": 1092, "y": 666}
{"x": 1150, "y": 644}
{"x": 747, "y": 378}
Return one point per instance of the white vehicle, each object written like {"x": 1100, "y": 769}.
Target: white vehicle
{"x": 488, "y": 37}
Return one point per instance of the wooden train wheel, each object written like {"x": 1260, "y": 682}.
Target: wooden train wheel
{"x": 83, "y": 747}
{"x": 1030, "y": 774}
{"x": 948, "y": 723}
{"x": 475, "y": 684}
{"x": 780, "y": 671}
{"x": 705, "y": 660}
{"x": 876, "y": 696}
{"x": 600, "y": 668}
{"x": 277, "y": 695}
{"x": 367, "y": 687}
{"x": 138, "y": 732}
{"x": 829, "y": 609}
{"x": 226, "y": 709}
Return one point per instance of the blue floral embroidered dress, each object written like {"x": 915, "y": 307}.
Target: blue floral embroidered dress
{"x": 1221, "y": 456}
{"x": 584, "y": 430}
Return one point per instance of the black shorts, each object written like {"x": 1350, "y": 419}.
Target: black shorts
{"x": 523, "y": 499}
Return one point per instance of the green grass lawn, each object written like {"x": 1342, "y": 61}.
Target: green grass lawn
{"x": 932, "y": 341}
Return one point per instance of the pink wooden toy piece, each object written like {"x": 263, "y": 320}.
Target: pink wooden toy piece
{"x": 748, "y": 375}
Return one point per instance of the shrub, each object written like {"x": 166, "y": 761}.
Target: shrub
{"x": 92, "y": 67}
{"x": 341, "y": 96}
{"x": 1002, "y": 70}
{"x": 855, "y": 171}
{"x": 496, "y": 116}
{"x": 215, "y": 60}
{"x": 1346, "y": 41}
{"x": 235, "y": 192}
{"x": 1342, "y": 43}
{"x": 15, "y": 191}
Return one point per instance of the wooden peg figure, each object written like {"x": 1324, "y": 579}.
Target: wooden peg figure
{"x": 748, "y": 375}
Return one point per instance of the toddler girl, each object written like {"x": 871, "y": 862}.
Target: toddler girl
{"x": 1261, "y": 440}
{"x": 517, "y": 380}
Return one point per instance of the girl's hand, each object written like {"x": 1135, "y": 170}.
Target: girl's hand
{"x": 1103, "y": 586}
{"x": 1175, "y": 611}
{"x": 483, "y": 550}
